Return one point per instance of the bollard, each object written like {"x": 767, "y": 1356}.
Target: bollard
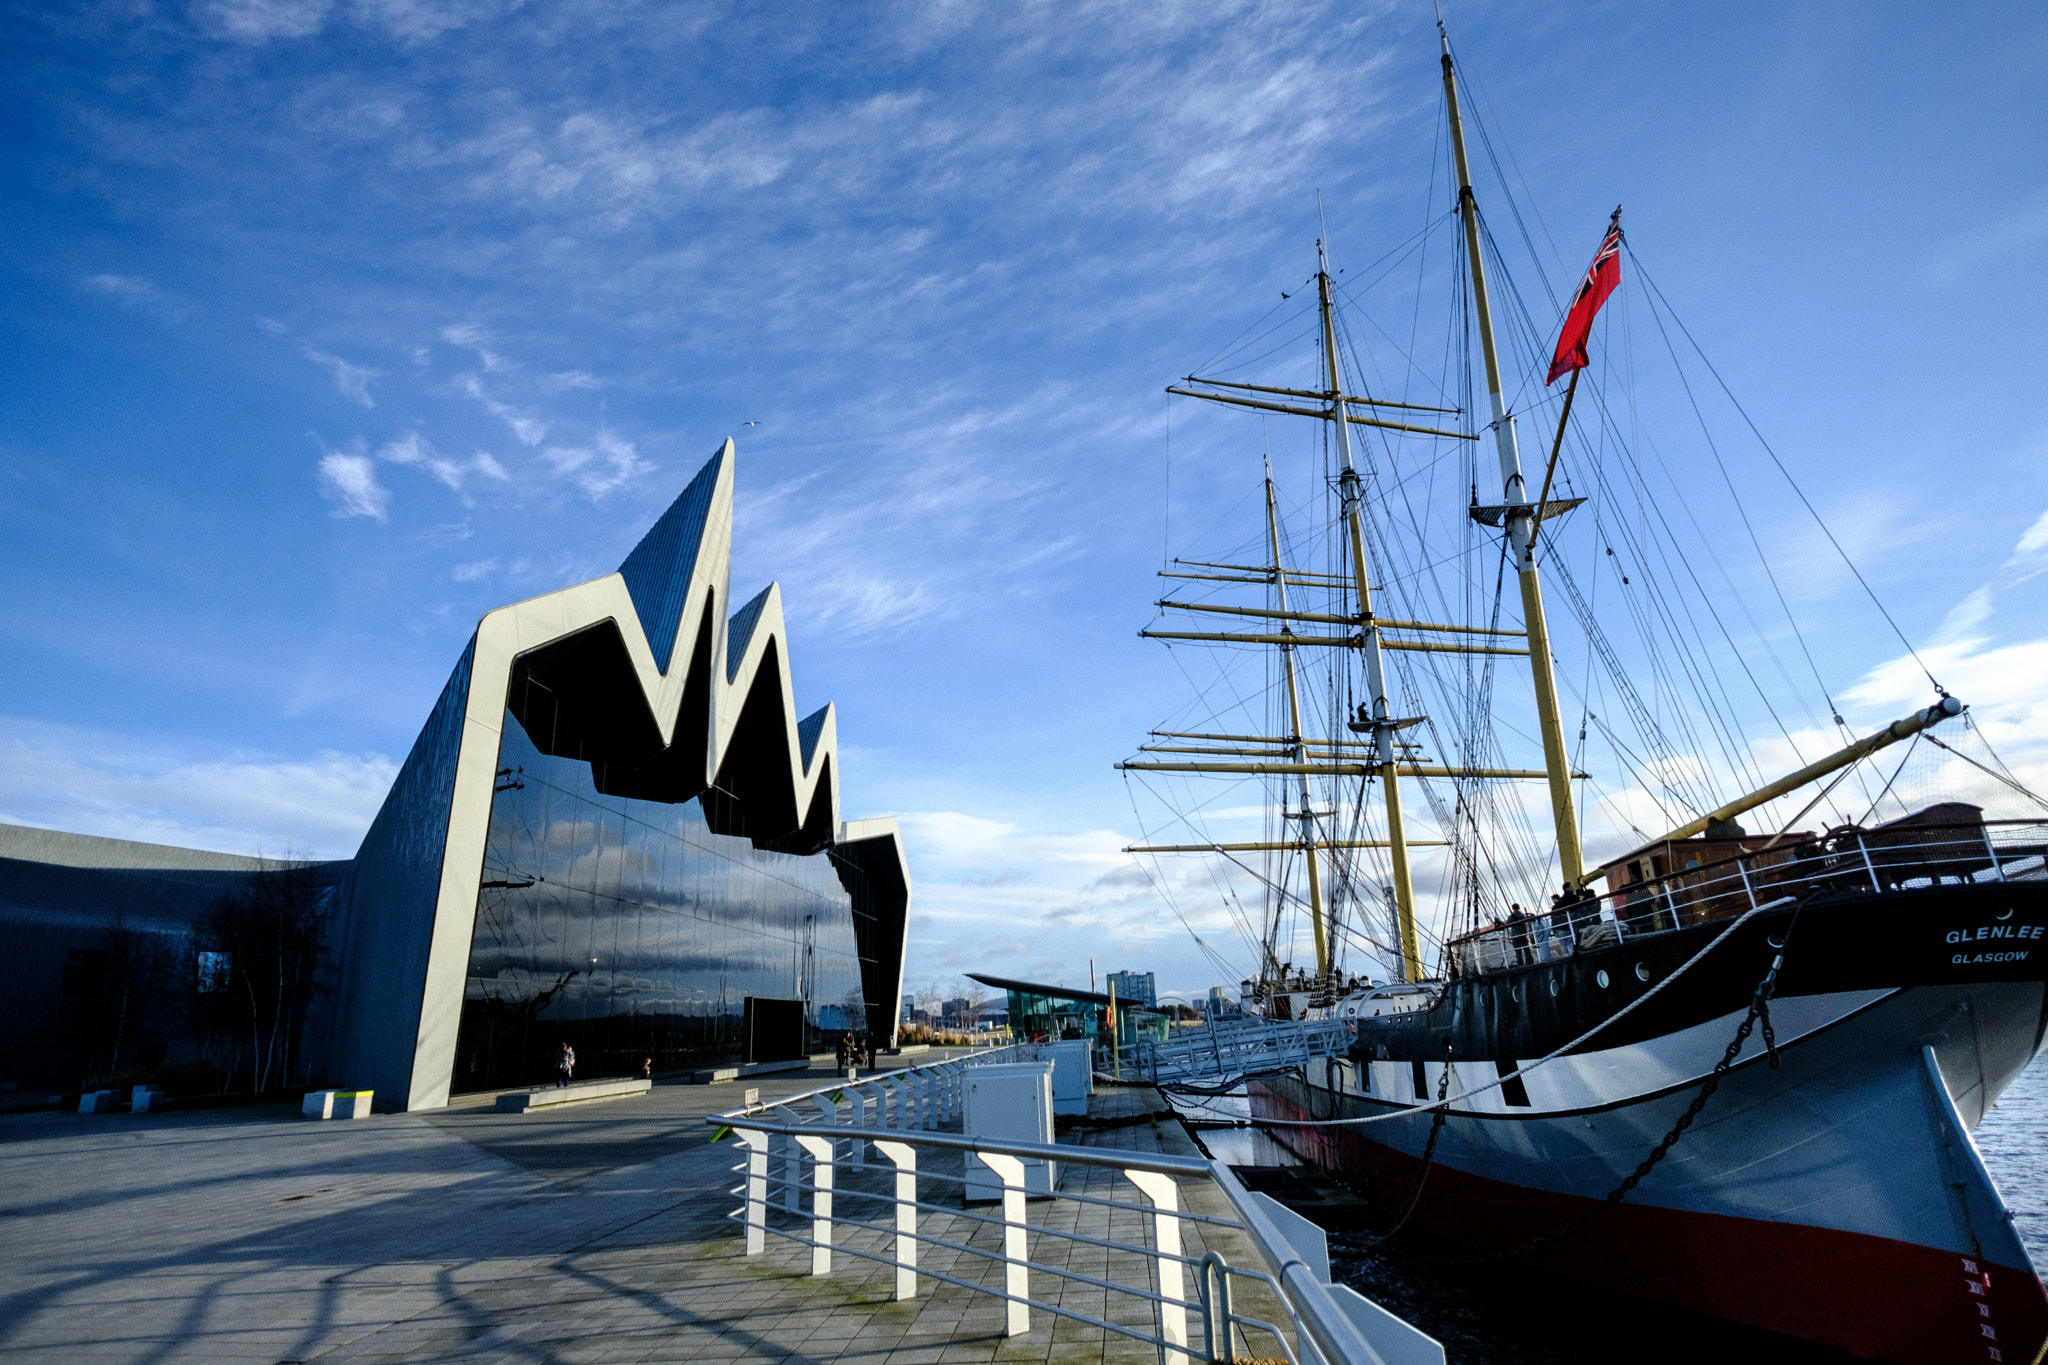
{"x": 1016, "y": 1273}
{"x": 905, "y": 1157}
{"x": 1165, "y": 1196}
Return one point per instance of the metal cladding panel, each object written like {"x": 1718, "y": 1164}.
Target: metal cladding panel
{"x": 658, "y": 571}
{"x": 807, "y": 731}
{"x": 740, "y": 631}
{"x": 134, "y": 909}
{"x": 872, "y": 867}
{"x": 389, "y": 905}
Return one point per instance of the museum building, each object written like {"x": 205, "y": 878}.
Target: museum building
{"x": 614, "y": 831}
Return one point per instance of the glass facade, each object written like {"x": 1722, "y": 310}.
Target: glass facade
{"x": 628, "y": 930}
{"x": 1040, "y": 1014}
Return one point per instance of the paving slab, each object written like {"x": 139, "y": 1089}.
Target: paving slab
{"x": 586, "y": 1233}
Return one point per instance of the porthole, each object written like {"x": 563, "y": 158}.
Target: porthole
{"x": 1553, "y": 985}
{"x": 1601, "y": 977}
{"x": 1642, "y": 972}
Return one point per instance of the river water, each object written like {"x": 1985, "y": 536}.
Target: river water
{"x": 1493, "y": 1314}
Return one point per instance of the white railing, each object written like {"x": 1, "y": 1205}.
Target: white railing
{"x": 812, "y": 1182}
{"x": 1850, "y": 861}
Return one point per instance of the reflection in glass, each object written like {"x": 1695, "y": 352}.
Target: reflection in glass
{"x": 628, "y": 930}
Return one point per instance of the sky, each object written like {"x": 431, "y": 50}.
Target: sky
{"x": 328, "y": 325}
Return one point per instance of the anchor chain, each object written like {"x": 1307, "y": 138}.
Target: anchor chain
{"x": 1436, "y": 1128}
{"x": 1759, "y": 1012}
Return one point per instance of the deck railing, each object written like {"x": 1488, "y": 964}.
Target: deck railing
{"x": 1848, "y": 861}
{"x": 1092, "y": 1235}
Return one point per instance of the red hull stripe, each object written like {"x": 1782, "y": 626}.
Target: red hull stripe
{"x": 1869, "y": 1296}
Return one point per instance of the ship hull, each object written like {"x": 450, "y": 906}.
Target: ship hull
{"x": 1837, "y": 1197}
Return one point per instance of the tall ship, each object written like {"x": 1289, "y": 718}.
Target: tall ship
{"x": 1733, "y": 1064}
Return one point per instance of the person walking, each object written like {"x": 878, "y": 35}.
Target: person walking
{"x": 565, "y": 1065}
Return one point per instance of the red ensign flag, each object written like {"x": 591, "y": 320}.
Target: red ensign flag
{"x": 1604, "y": 274}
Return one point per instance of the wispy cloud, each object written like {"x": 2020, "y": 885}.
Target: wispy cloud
{"x": 137, "y": 292}
{"x": 349, "y": 479}
{"x": 188, "y": 792}
{"x": 606, "y": 463}
{"x": 259, "y": 21}
{"x": 528, "y": 427}
{"x": 127, "y": 288}
{"x": 1991, "y": 239}
{"x": 351, "y": 381}
{"x": 414, "y": 449}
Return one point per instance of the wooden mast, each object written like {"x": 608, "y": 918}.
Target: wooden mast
{"x": 1309, "y": 842}
{"x": 1378, "y": 717}
{"x": 1519, "y": 515}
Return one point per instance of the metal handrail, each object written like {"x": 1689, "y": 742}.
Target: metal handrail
{"x": 1883, "y": 860}
{"x": 1321, "y": 1329}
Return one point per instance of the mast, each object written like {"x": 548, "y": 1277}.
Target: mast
{"x": 1380, "y": 717}
{"x": 1300, "y": 750}
{"x": 1519, "y": 515}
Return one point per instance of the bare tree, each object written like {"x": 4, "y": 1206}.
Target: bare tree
{"x": 975, "y": 994}
{"x": 259, "y": 951}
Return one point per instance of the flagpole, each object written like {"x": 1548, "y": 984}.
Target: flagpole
{"x": 1613, "y": 225}
{"x": 1557, "y": 445}
{"x": 1521, "y": 528}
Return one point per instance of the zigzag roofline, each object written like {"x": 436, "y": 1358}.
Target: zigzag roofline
{"x": 718, "y": 720}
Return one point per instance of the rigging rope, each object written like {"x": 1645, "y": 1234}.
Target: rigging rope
{"x": 1800, "y": 492}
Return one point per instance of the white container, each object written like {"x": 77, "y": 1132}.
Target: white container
{"x": 1073, "y": 1074}
{"x": 1009, "y": 1102}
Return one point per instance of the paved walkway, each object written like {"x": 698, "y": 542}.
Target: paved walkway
{"x": 593, "y": 1233}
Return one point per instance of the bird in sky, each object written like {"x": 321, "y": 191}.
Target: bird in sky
{"x": 750, "y": 424}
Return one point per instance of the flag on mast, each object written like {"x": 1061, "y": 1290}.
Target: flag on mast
{"x": 1601, "y": 278}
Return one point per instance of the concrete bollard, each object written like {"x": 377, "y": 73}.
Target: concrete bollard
{"x": 338, "y": 1104}
{"x": 96, "y": 1102}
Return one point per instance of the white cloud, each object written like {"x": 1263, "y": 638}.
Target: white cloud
{"x": 129, "y": 787}
{"x": 258, "y": 21}
{"x": 127, "y": 288}
{"x": 470, "y": 337}
{"x": 476, "y": 571}
{"x": 352, "y": 381}
{"x": 2030, "y": 555}
{"x": 527, "y": 426}
{"x": 998, "y": 895}
{"x": 417, "y": 21}
{"x": 351, "y": 481}
{"x": 603, "y": 465}
{"x": 414, "y": 449}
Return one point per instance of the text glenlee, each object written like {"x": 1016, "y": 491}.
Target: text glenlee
{"x": 1983, "y": 931}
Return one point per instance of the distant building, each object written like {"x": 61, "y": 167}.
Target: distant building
{"x": 1136, "y": 988}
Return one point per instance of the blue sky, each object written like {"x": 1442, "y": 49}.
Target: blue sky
{"x": 330, "y": 324}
